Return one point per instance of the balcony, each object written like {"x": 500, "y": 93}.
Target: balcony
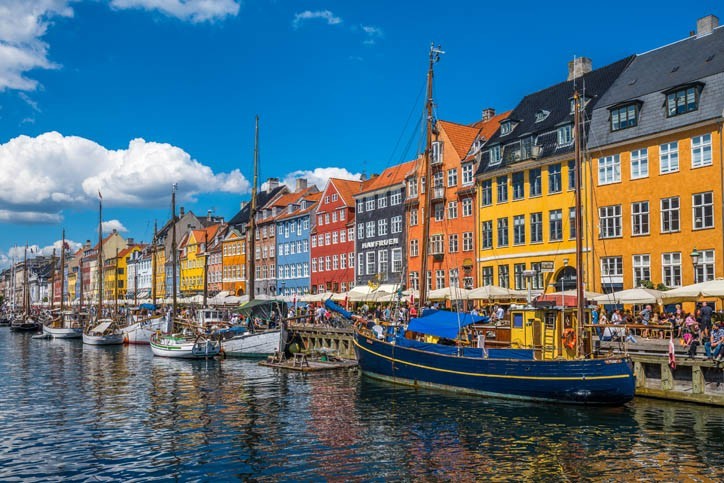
{"x": 438, "y": 193}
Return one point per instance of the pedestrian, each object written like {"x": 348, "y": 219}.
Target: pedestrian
{"x": 706, "y": 312}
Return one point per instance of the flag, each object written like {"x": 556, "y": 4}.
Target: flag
{"x": 66, "y": 246}
{"x": 672, "y": 353}
{"x": 100, "y": 196}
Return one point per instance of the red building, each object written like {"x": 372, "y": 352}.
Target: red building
{"x": 332, "y": 239}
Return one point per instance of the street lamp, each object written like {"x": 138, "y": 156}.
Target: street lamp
{"x": 529, "y": 274}
{"x": 563, "y": 284}
{"x": 695, "y": 254}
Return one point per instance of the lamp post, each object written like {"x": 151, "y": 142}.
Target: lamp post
{"x": 563, "y": 283}
{"x": 695, "y": 254}
{"x": 529, "y": 274}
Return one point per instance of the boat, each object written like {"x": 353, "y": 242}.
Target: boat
{"x": 105, "y": 331}
{"x": 142, "y": 324}
{"x": 66, "y": 325}
{"x": 561, "y": 371}
{"x": 24, "y": 322}
{"x": 191, "y": 341}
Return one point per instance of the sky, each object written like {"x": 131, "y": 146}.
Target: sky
{"x": 127, "y": 97}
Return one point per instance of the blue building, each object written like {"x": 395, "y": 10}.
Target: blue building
{"x": 292, "y": 251}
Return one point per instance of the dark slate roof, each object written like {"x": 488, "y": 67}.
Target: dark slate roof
{"x": 262, "y": 198}
{"x": 556, "y": 100}
{"x": 651, "y": 74}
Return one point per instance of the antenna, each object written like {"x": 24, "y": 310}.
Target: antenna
{"x": 435, "y": 52}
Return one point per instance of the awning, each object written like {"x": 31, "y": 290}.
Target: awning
{"x": 442, "y": 323}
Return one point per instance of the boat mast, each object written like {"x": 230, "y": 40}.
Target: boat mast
{"x": 173, "y": 256}
{"x": 115, "y": 288}
{"x": 62, "y": 273}
{"x": 206, "y": 265}
{"x": 427, "y": 169}
{"x": 80, "y": 275}
{"x": 100, "y": 258}
{"x": 578, "y": 139}
{"x": 153, "y": 264}
{"x": 52, "y": 282}
{"x": 252, "y": 214}
{"x": 26, "y": 281}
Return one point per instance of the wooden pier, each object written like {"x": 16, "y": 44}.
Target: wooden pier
{"x": 317, "y": 337}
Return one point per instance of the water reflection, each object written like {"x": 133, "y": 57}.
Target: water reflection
{"x": 80, "y": 412}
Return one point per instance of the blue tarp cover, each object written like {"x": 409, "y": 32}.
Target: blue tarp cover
{"x": 334, "y": 307}
{"x": 148, "y": 306}
{"x": 442, "y": 323}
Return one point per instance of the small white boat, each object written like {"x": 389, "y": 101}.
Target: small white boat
{"x": 105, "y": 332}
{"x": 140, "y": 332}
{"x": 181, "y": 346}
{"x": 252, "y": 344}
{"x": 66, "y": 326}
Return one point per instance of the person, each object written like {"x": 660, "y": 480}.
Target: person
{"x": 705, "y": 312}
{"x": 500, "y": 313}
{"x": 692, "y": 331}
{"x": 413, "y": 312}
{"x": 595, "y": 319}
{"x": 714, "y": 347}
{"x": 645, "y": 319}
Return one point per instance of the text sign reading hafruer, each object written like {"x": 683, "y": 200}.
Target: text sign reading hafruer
{"x": 546, "y": 267}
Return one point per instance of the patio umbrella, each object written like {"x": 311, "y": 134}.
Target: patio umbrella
{"x": 710, "y": 288}
{"x": 493, "y": 292}
{"x": 631, "y": 296}
{"x": 449, "y": 293}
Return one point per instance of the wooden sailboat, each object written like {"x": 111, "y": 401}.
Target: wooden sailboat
{"x": 524, "y": 372}
{"x": 189, "y": 341}
{"x": 104, "y": 331}
{"x": 25, "y": 322}
{"x": 66, "y": 325}
{"x": 242, "y": 342}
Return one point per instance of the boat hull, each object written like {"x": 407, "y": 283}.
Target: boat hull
{"x": 258, "y": 344}
{"x": 580, "y": 381}
{"x": 108, "y": 339}
{"x": 24, "y": 326}
{"x": 184, "y": 349}
{"x": 63, "y": 332}
{"x": 141, "y": 332}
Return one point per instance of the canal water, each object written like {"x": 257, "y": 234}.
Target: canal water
{"x": 72, "y": 412}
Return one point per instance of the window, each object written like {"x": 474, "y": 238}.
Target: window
{"x": 565, "y": 135}
{"x": 639, "y": 163}
{"x": 382, "y": 201}
{"x": 671, "y": 269}
{"x": 610, "y": 221}
{"x": 703, "y": 208}
{"x": 439, "y": 212}
{"x": 327, "y": 238}
{"x": 502, "y": 182}
{"x": 452, "y": 210}
{"x": 436, "y": 152}
{"x": 640, "y": 218}
{"x": 486, "y": 234}
{"x": 502, "y": 232}
{"x": 341, "y": 217}
{"x": 486, "y": 192}
{"x": 360, "y": 206}
{"x": 624, "y": 116}
{"x": 334, "y": 217}
{"x": 440, "y": 278}
{"x": 467, "y": 207}
{"x": 641, "y": 269}
{"x": 670, "y": 214}
{"x": 412, "y": 188}
{"x": 413, "y": 217}
{"x": 370, "y": 263}
{"x": 554, "y": 178}
{"x": 453, "y": 243}
{"x": 350, "y": 233}
{"x": 437, "y": 245}
{"x": 503, "y": 276}
{"x": 335, "y": 197}
{"x": 536, "y": 227}
{"x": 452, "y": 177}
{"x": 518, "y": 270}
{"x": 382, "y": 227}
{"x": 468, "y": 241}
{"x": 396, "y": 224}
{"x": 305, "y": 245}
{"x": 519, "y": 185}
{"x": 467, "y": 170}
{"x": 682, "y": 100}
{"x": 537, "y": 280}
{"x": 519, "y": 229}
{"x": 705, "y": 268}
{"x": 701, "y": 151}
{"x": 669, "y": 158}
{"x": 495, "y": 155}
{"x": 506, "y": 127}
{"x": 487, "y": 275}
{"x": 555, "y": 220}
{"x": 370, "y": 204}
{"x": 414, "y": 248}
{"x": 314, "y": 241}
{"x": 609, "y": 169}
{"x": 415, "y": 280}
{"x": 370, "y": 229}
{"x": 320, "y": 219}
{"x": 534, "y": 182}
{"x": 611, "y": 272}
{"x": 326, "y": 218}
{"x": 343, "y": 262}
{"x": 361, "y": 264}
{"x": 327, "y": 264}
{"x": 342, "y": 236}
{"x": 396, "y": 260}
{"x": 335, "y": 238}
{"x": 350, "y": 259}
{"x": 572, "y": 174}
{"x": 383, "y": 261}
{"x": 395, "y": 198}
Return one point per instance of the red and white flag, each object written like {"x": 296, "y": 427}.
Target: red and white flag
{"x": 672, "y": 353}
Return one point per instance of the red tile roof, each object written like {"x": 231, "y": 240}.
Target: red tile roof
{"x": 347, "y": 188}
{"x": 488, "y": 127}
{"x": 460, "y": 135}
{"x": 389, "y": 177}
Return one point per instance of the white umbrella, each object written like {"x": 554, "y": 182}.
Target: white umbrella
{"x": 452, "y": 293}
{"x": 493, "y": 292}
{"x": 711, "y": 288}
{"x": 631, "y": 296}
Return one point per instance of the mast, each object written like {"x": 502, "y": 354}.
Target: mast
{"x": 206, "y": 265}
{"x": 100, "y": 258}
{"x": 52, "y": 283}
{"x": 153, "y": 264}
{"x": 62, "y": 273}
{"x": 578, "y": 139}
{"x": 80, "y": 275}
{"x": 173, "y": 256}
{"x": 26, "y": 280}
{"x": 427, "y": 169}
{"x": 252, "y": 214}
{"x": 115, "y": 288}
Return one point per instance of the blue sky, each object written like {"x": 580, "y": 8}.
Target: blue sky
{"x": 130, "y": 96}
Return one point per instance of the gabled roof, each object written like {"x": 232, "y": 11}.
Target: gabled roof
{"x": 460, "y": 135}
{"x": 488, "y": 127}
{"x": 391, "y": 176}
{"x": 312, "y": 199}
{"x": 262, "y": 198}
{"x": 347, "y": 188}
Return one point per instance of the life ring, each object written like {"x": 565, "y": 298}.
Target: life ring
{"x": 569, "y": 338}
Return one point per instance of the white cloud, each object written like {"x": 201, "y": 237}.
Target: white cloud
{"x": 319, "y": 14}
{"x": 50, "y": 172}
{"x": 17, "y": 253}
{"x": 373, "y": 34}
{"x": 195, "y": 11}
{"x": 111, "y": 225}
{"x": 23, "y": 23}
{"x": 318, "y": 176}
{"x": 9, "y": 216}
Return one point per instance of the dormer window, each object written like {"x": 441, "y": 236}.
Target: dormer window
{"x": 624, "y": 116}
{"x": 506, "y": 127}
{"x": 495, "y": 156}
{"x": 541, "y": 115}
{"x": 436, "y": 153}
{"x": 565, "y": 135}
{"x": 683, "y": 99}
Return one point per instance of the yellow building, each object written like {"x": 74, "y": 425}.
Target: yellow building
{"x": 193, "y": 259}
{"x": 234, "y": 263}
{"x": 115, "y": 274}
{"x": 158, "y": 256}
{"x": 656, "y": 139}
{"x": 526, "y": 187}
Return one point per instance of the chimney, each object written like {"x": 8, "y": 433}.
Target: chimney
{"x": 706, "y": 25}
{"x": 579, "y": 66}
{"x": 181, "y": 212}
{"x": 488, "y": 113}
{"x": 208, "y": 215}
{"x": 272, "y": 184}
{"x": 87, "y": 244}
{"x": 301, "y": 184}
{"x": 129, "y": 242}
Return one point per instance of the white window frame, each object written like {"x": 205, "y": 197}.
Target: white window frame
{"x": 609, "y": 221}
{"x": 609, "y": 169}
{"x": 640, "y": 163}
{"x": 640, "y": 218}
{"x": 667, "y": 212}
{"x": 669, "y": 158}
{"x": 701, "y": 151}
{"x": 702, "y": 210}
{"x": 467, "y": 207}
{"x": 671, "y": 269}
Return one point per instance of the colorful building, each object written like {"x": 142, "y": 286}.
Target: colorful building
{"x": 656, "y": 148}
{"x": 233, "y": 261}
{"x": 215, "y": 261}
{"x": 193, "y": 259}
